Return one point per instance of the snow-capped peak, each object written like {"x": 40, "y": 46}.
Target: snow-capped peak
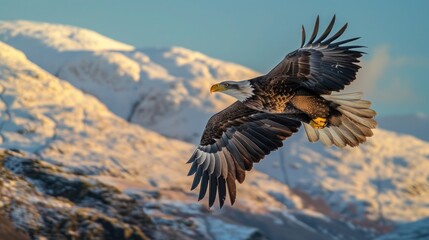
{"x": 148, "y": 86}
{"x": 57, "y": 36}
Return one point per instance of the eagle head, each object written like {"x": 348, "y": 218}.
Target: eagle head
{"x": 240, "y": 90}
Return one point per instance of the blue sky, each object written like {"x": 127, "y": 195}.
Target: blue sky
{"x": 258, "y": 34}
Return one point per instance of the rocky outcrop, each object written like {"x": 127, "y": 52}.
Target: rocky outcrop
{"x": 44, "y": 201}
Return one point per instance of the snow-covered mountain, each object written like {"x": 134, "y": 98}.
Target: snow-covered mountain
{"x": 380, "y": 184}
{"x": 43, "y": 41}
{"x": 50, "y": 118}
{"x": 152, "y": 87}
{"x": 72, "y": 162}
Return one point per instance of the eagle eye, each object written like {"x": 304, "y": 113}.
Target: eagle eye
{"x": 226, "y": 84}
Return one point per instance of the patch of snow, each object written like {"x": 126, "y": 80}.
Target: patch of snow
{"x": 42, "y": 42}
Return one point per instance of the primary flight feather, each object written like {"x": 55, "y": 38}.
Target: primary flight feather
{"x": 270, "y": 108}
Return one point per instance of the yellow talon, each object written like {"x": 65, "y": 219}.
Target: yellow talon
{"x": 318, "y": 123}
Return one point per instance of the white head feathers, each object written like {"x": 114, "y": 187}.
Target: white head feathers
{"x": 241, "y": 90}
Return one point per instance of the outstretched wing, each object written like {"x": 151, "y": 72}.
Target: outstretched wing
{"x": 320, "y": 65}
{"x": 232, "y": 141}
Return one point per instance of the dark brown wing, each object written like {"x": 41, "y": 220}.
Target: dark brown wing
{"x": 232, "y": 141}
{"x": 321, "y": 65}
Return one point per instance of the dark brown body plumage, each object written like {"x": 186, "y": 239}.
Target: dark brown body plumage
{"x": 271, "y": 98}
{"x": 281, "y": 98}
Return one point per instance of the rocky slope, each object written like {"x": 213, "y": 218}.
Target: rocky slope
{"x": 43, "y": 200}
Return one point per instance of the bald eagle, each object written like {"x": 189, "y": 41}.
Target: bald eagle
{"x": 270, "y": 108}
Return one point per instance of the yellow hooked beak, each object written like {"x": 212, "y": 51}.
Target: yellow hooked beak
{"x": 217, "y": 88}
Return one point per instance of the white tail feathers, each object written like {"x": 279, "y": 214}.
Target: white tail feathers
{"x": 356, "y": 122}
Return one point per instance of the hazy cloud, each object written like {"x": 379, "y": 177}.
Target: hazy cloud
{"x": 378, "y": 81}
{"x": 372, "y": 71}
{"x": 396, "y": 92}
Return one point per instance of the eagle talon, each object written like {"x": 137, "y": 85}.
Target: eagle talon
{"x": 318, "y": 123}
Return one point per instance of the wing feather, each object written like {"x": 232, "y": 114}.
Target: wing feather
{"x": 193, "y": 168}
{"x": 327, "y": 31}
{"x": 203, "y": 187}
{"x": 315, "y": 31}
{"x": 197, "y": 178}
{"x": 232, "y": 141}
{"x": 221, "y": 191}
{"x": 321, "y": 66}
{"x": 303, "y": 36}
{"x": 212, "y": 189}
